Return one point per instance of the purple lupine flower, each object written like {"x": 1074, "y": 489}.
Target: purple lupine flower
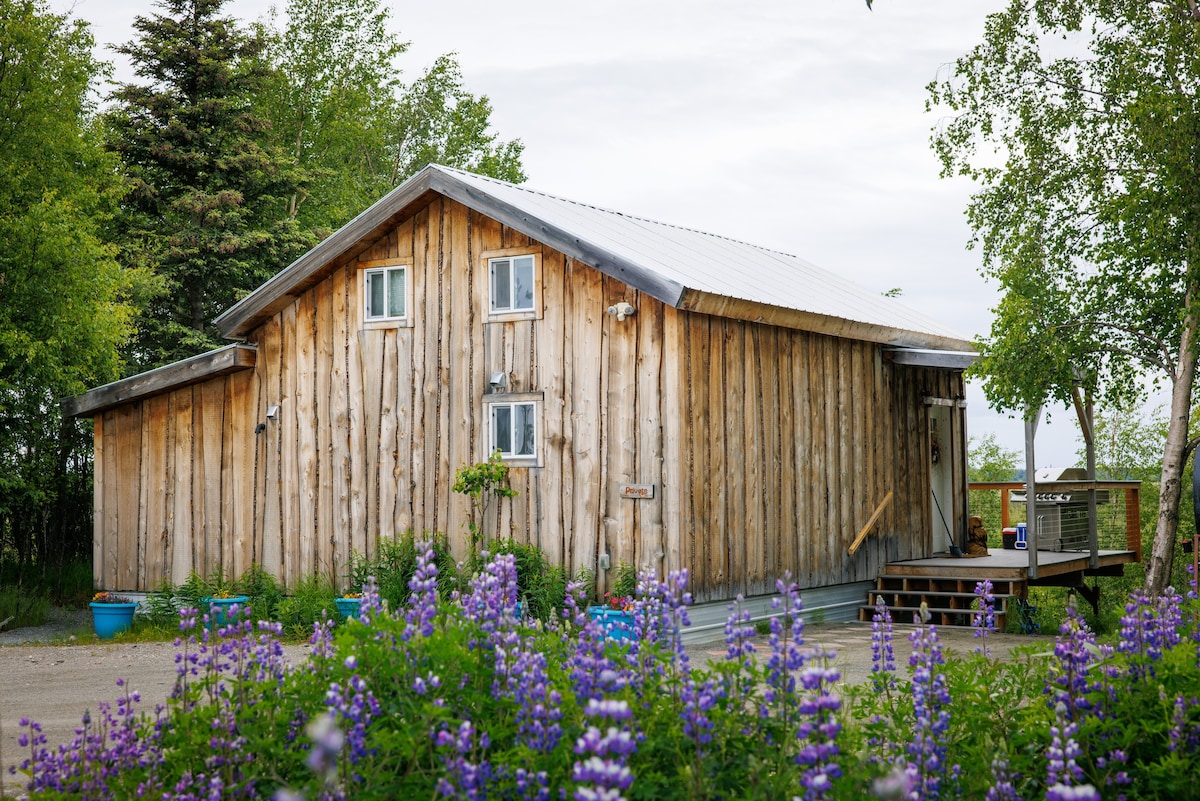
{"x": 352, "y": 708}
{"x": 325, "y": 748}
{"x": 739, "y": 648}
{"x": 786, "y": 657}
{"x": 467, "y": 770}
{"x": 883, "y": 657}
{"x": 931, "y": 699}
{"x": 819, "y": 728}
{"x": 370, "y": 604}
{"x": 538, "y": 703}
{"x": 1064, "y": 777}
{"x": 422, "y": 608}
{"x": 1072, "y": 681}
{"x": 491, "y": 602}
{"x": 603, "y": 772}
{"x": 1002, "y": 788}
{"x": 739, "y": 633}
{"x": 983, "y": 620}
{"x": 1184, "y": 736}
{"x": 698, "y": 698}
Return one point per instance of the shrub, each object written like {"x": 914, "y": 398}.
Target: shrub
{"x": 541, "y": 586}
{"x": 311, "y": 601}
{"x": 393, "y": 566}
{"x": 458, "y": 699}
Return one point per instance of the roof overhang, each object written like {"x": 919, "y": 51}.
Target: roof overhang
{"x": 229, "y": 359}
{"x": 925, "y": 357}
{"x": 905, "y": 342}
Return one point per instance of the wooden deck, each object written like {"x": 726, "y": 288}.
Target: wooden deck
{"x": 946, "y": 584}
{"x": 1013, "y": 565}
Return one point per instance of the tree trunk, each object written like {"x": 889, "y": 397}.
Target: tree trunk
{"x": 1158, "y": 570}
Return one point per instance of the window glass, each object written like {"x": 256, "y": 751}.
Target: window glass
{"x": 385, "y": 293}
{"x": 395, "y": 293}
{"x": 375, "y": 292}
{"x": 522, "y": 296}
{"x": 502, "y": 428}
{"x": 501, "y": 286}
{"x": 525, "y": 430}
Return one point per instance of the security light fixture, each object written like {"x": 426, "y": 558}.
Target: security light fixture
{"x": 622, "y": 310}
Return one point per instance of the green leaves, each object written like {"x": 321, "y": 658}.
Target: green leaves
{"x": 64, "y": 298}
{"x": 1080, "y": 123}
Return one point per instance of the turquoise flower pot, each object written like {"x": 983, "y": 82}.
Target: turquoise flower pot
{"x": 347, "y": 607}
{"x": 111, "y": 619}
{"x": 616, "y": 624}
{"x": 219, "y": 609}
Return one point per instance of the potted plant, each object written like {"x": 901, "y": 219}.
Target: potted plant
{"x": 111, "y": 614}
{"x": 219, "y": 607}
{"x": 614, "y": 616}
{"x": 347, "y": 605}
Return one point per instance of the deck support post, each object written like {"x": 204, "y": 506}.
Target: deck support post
{"x": 1032, "y": 416}
{"x": 1084, "y": 409}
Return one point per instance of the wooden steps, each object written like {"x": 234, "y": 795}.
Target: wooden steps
{"x": 951, "y": 600}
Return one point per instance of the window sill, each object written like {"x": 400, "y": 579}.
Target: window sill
{"x": 405, "y": 322}
{"x": 510, "y": 317}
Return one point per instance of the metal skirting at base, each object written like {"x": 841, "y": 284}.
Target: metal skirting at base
{"x": 836, "y": 604}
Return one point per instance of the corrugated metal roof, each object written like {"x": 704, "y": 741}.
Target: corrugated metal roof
{"x": 675, "y": 264}
{"x": 713, "y": 264}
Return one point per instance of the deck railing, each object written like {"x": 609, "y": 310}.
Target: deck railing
{"x": 1118, "y": 511}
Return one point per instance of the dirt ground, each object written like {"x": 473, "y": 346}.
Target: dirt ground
{"x": 54, "y": 684}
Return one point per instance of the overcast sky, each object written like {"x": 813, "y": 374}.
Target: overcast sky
{"x": 798, "y": 126}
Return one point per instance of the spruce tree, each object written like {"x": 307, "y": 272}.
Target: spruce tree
{"x": 208, "y": 206}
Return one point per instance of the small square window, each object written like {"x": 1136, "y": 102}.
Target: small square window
{"x": 512, "y": 284}
{"x": 386, "y": 293}
{"x": 514, "y": 429}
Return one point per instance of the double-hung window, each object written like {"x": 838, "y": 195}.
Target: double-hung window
{"x": 513, "y": 426}
{"x": 512, "y": 284}
{"x": 385, "y": 293}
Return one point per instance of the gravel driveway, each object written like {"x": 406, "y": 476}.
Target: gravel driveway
{"x": 53, "y": 683}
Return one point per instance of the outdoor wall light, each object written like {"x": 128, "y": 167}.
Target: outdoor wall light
{"x": 498, "y": 381}
{"x": 622, "y": 310}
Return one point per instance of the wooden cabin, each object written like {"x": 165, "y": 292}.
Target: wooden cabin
{"x": 664, "y": 397}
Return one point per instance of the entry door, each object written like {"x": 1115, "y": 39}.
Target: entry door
{"x": 941, "y": 476}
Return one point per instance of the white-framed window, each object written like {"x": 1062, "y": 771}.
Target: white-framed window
{"x": 513, "y": 429}
{"x": 385, "y": 293}
{"x": 512, "y": 284}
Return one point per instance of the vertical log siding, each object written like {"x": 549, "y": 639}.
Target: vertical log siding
{"x": 767, "y": 448}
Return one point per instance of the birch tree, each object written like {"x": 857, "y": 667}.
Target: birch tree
{"x": 1079, "y": 120}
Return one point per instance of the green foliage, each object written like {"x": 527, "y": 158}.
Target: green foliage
{"x": 624, "y": 580}
{"x": 311, "y": 600}
{"x": 541, "y": 586}
{"x": 207, "y": 210}
{"x": 481, "y": 483}
{"x": 1078, "y": 119}
{"x": 64, "y": 298}
{"x": 353, "y": 128}
{"x": 383, "y": 675}
{"x": 393, "y": 566}
{"x": 988, "y": 460}
{"x": 22, "y": 607}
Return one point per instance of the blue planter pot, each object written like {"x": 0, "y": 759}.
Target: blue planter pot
{"x": 616, "y": 624}
{"x": 111, "y": 619}
{"x": 347, "y": 607}
{"x": 219, "y": 609}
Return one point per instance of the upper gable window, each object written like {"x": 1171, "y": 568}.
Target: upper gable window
{"x": 385, "y": 294}
{"x": 513, "y": 285}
